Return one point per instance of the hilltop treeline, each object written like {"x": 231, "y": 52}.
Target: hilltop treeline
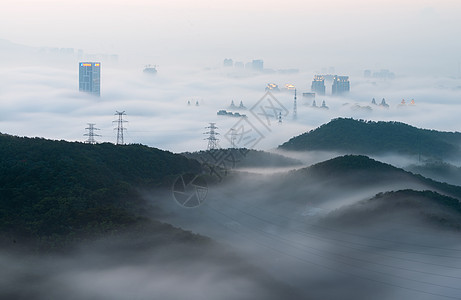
{"x": 55, "y": 191}
{"x": 369, "y": 137}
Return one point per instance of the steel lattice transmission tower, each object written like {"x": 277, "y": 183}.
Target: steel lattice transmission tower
{"x": 295, "y": 108}
{"x": 120, "y": 129}
{"x": 212, "y": 139}
{"x": 91, "y": 134}
{"x": 233, "y": 137}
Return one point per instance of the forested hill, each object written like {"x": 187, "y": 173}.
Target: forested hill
{"x": 242, "y": 158}
{"x": 368, "y": 137}
{"x": 58, "y": 188}
{"x": 358, "y": 171}
{"x": 400, "y": 206}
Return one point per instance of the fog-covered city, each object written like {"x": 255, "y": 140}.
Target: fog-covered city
{"x": 230, "y": 150}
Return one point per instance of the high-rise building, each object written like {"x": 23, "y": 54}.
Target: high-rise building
{"x": 340, "y": 85}
{"x": 257, "y": 65}
{"x": 239, "y": 65}
{"x": 228, "y": 62}
{"x": 318, "y": 85}
{"x": 89, "y": 74}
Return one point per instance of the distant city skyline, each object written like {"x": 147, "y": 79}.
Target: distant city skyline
{"x": 415, "y": 41}
{"x": 408, "y": 35}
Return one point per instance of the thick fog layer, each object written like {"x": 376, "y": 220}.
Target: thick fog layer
{"x": 44, "y": 101}
{"x": 136, "y": 268}
{"x": 328, "y": 240}
{"x": 41, "y": 43}
{"x": 291, "y": 235}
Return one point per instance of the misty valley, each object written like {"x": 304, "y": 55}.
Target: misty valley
{"x": 230, "y": 150}
{"x": 332, "y": 213}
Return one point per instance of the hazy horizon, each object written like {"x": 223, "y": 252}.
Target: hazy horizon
{"x": 188, "y": 42}
{"x": 408, "y": 37}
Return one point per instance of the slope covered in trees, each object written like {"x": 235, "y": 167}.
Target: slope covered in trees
{"x": 397, "y": 206}
{"x": 346, "y": 178}
{"x": 368, "y": 137}
{"x": 57, "y": 190}
{"x": 242, "y": 158}
{"x": 362, "y": 171}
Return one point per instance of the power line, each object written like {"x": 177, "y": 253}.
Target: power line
{"x": 91, "y": 134}
{"x": 246, "y": 212}
{"x": 295, "y": 108}
{"x": 365, "y": 237}
{"x": 233, "y": 137}
{"x": 212, "y": 139}
{"x": 334, "y": 269}
{"x": 120, "y": 129}
{"x": 342, "y": 242}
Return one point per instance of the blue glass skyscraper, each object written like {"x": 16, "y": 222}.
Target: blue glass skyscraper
{"x": 90, "y": 77}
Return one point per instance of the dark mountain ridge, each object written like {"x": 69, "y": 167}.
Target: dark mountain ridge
{"x": 70, "y": 210}
{"x": 332, "y": 183}
{"x": 369, "y": 137}
{"x": 397, "y": 207}
{"x": 360, "y": 170}
{"x": 57, "y": 190}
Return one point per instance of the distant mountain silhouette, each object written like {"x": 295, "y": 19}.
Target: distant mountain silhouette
{"x": 368, "y": 137}
{"x": 438, "y": 170}
{"x": 398, "y": 206}
{"x": 345, "y": 178}
{"x": 359, "y": 171}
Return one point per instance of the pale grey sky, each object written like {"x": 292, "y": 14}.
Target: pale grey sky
{"x": 414, "y": 36}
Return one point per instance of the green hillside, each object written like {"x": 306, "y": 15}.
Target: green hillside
{"x": 357, "y": 172}
{"x": 438, "y": 170}
{"x": 242, "y": 158}
{"x": 57, "y": 190}
{"x": 398, "y": 206}
{"x": 368, "y": 137}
